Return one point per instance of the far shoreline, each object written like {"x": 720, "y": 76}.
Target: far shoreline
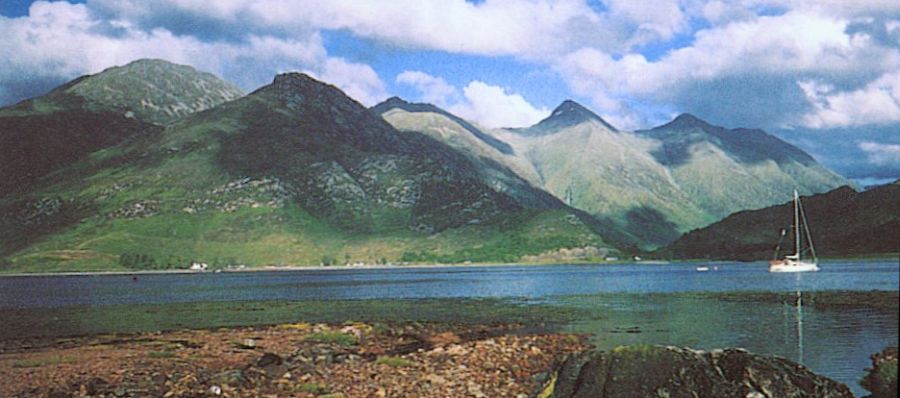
{"x": 289, "y": 268}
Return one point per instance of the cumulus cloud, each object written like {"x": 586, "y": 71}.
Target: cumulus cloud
{"x": 881, "y": 154}
{"x": 492, "y": 106}
{"x": 488, "y": 105}
{"x": 762, "y": 58}
{"x": 490, "y": 28}
{"x": 435, "y": 90}
{"x": 59, "y": 41}
{"x": 359, "y": 81}
{"x": 744, "y": 61}
{"x": 659, "y": 21}
{"x": 878, "y": 102}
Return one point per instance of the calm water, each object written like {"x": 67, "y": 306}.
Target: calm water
{"x": 511, "y": 281}
{"x": 835, "y": 343}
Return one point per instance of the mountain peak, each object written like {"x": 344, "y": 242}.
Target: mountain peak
{"x": 744, "y": 145}
{"x": 154, "y": 90}
{"x": 396, "y": 102}
{"x": 299, "y": 88}
{"x": 569, "y": 107}
{"x": 687, "y": 120}
{"x": 568, "y": 113}
{"x": 573, "y": 111}
{"x": 296, "y": 80}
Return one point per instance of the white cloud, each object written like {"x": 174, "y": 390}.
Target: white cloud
{"x": 359, "y": 81}
{"x": 881, "y": 154}
{"x": 876, "y": 103}
{"x": 59, "y": 41}
{"x": 488, "y": 105}
{"x": 492, "y": 106}
{"x": 435, "y": 90}
{"x": 598, "y": 50}
{"x": 780, "y": 44}
{"x": 759, "y": 55}
{"x": 660, "y": 20}
{"x": 494, "y": 27}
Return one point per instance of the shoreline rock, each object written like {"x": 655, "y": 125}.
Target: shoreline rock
{"x": 658, "y": 371}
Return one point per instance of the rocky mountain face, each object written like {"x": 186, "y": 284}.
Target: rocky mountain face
{"x": 348, "y": 166}
{"x": 654, "y": 371}
{"x": 40, "y": 135}
{"x": 842, "y": 222}
{"x": 294, "y": 173}
{"x": 651, "y": 185}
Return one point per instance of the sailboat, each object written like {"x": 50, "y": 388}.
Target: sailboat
{"x": 795, "y": 262}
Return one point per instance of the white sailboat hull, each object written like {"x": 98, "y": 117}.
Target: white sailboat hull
{"x": 794, "y": 262}
{"x": 792, "y": 266}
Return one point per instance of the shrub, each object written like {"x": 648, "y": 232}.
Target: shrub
{"x": 881, "y": 380}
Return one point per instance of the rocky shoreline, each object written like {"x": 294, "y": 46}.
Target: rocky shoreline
{"x": 398, "y": 359}
{"x": 293, "y": 360}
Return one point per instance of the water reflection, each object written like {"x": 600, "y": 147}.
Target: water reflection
{"x": 799, "y": 327}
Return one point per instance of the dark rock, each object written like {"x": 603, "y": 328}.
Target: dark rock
{"x": 654, "y": 371}
{"x": 95, "y": 385}
{"x": 228, "y": 377}
{"x": 58, "y": 393}
{"x": 269, "y": 359}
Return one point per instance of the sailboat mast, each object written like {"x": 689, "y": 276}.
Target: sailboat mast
{"x": 797, "y": 224}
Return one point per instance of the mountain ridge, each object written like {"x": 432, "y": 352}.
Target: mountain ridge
{"x": 399, "y": 103}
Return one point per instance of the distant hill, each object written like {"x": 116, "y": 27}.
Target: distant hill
{"x": 294, "y": 173}
{"x": 648, "y": 186}
{"x": 843, "y": 222}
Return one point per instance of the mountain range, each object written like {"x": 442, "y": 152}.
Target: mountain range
{"x": 652, "y": 185}
{"x": 295, "y": 172}
{"x": 155, "y": 165}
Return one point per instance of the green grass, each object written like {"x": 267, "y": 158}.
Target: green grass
{"x": 286, "y": 236}
{"x": 394, "y": 362}
{"x": 339, "y": 338}
{"x": 160, "y": 354}
{"x": 313, "y": 388}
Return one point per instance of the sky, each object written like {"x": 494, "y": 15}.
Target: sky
{"x": 821, "y": 74}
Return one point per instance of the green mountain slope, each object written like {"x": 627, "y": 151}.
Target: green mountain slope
{"x": 40, "y": 135}
{"x": 293, "y": 173}
{"x": 843, "y": 222}
{"x": 724, "y": 170}
{"x": 650, "y": 186}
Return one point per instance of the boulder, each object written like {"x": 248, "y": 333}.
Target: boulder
{"x": 656, "y": 371}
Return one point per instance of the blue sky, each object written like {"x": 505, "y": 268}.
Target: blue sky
{"x": 822, "y": 74}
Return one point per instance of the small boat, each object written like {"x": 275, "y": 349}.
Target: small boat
{"x": 702, "y": 269}
{"x": 795, "y": 262}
